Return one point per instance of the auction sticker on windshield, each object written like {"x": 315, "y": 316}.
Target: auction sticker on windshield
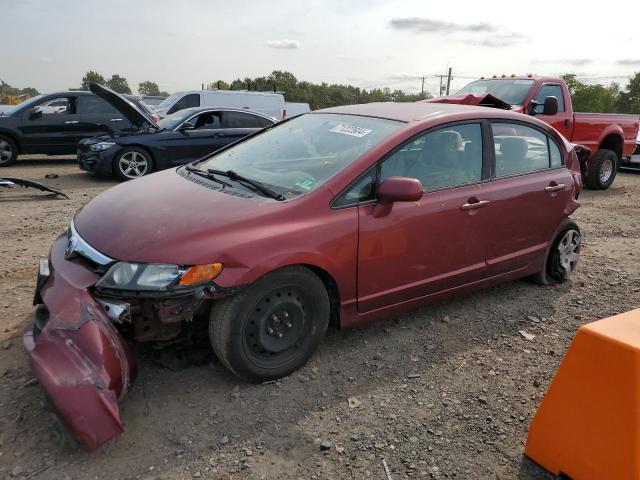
{"x": 352, "y": 130}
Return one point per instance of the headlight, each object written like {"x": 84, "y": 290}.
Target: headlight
{"x": 152, "y": 276}
{"x": 98, "y": 147}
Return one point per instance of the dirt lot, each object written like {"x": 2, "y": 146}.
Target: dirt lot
{"x": 446, "y": 392}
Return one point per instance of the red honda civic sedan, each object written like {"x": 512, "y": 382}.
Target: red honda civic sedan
{"x": 348, "y": 214}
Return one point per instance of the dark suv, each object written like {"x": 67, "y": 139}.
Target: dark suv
{"x": 54, "y": 123}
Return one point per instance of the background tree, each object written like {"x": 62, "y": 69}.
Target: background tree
{"x": 148, "y": 88}
{"x": 118, "y": 84}
{"x": 92, "y": 77}
{"x": 628, "y": 100}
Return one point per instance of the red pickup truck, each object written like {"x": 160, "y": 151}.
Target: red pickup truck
{"x": 611, "y": 137}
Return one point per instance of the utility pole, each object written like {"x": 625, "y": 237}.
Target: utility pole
{"x": 449, "y": 80}
{"x": 422, "y": 91}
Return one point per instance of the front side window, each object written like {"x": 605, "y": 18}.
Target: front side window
{"x": 57, "y": 106}
{"x": 208, "y": 121}
{"x": 299, "y": 155}
{"x": 188, "y": 101}
{"x": 447, "y": 157}
{"x": 549, "y": 90}
{"x": 520, "y": 149}
{"x": 361, "y": 191}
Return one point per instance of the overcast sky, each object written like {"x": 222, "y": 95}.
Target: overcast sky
{"x": 50, "y": 44}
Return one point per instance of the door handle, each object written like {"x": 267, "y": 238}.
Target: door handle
{"x": 116, "y": 119}
{"x": 554, "y": 188}
{"x": 71, "y": 121}
{"x": 474, "y": 205}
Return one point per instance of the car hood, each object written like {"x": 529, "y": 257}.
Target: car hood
{"x": 134, "y": 114}
{"x": 169, "y": 217}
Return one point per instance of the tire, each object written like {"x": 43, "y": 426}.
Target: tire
{"x": 271, "y": 328}
{"x": 562, "y": 258}
{"x": 602, "y": 169}
{"x": 132, "y": 163}
{"x": 8, "y": 151}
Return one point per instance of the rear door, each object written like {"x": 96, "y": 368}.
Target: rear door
{"x": 52, "y": 127}
{"x": 528, "y": 194}
{"x": 561, "y": 121}
{"x": 97, "y": 117}
{"x": 422, "y": 248}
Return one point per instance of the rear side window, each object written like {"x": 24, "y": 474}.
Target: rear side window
{"x": 554, "y": 154}
{"x": 92, "y": 104}
{"x": 549, "y": 90}
{"x": 447, "y": 157}
{"x": 188, "y": 101}
{"x": 521, "y": 149}
{"x": 242, "y": 120}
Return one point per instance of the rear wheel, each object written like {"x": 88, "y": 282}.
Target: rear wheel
{"x": 271, "y": 328}
{"x": 132, "y": 162}
{"x": 8, "y": 151}
{"x": 562, "y": 258}
{"x": 602, "y": 169}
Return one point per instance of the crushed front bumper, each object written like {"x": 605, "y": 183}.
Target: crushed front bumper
{"x": 76, "y": 352}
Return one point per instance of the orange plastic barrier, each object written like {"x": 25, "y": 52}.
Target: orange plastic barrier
{"x": 588, "y": 424}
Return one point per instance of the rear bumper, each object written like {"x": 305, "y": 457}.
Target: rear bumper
{"x": 77, "y": 354}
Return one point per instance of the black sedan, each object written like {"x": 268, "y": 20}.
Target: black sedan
{"x": 179, "y": 138}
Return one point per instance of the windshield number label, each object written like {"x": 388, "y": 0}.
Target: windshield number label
{"x": 351, "y": 130}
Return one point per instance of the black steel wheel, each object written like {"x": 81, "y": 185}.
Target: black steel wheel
{"x": 271, "y": 328}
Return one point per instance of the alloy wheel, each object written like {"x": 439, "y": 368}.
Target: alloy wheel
{"x": 6, "y": 151}
{"x": 133, "y": 164}
{"x": 568, "y": 252}
{"x": 606, "y": 170}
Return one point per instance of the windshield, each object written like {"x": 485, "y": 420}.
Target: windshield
{"x": 167, "y": 102}
{"x": 172, "y": 121}
{"x": 511, "y": 91}
{"x": 25, "y": 104}
{"x": 300, "y": 155}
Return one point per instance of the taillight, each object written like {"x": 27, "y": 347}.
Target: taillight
{"x": 284, "y": 113}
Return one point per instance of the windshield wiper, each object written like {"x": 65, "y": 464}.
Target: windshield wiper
{"x": 260, "y": 187}
{"x": 206, "y": 175}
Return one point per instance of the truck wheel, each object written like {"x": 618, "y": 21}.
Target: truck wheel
{"x": 272, "y": 327}
{"x": 132, "y": 162}
{"x": 562, "y": 257}
{"x": 602, "y": 169}
{"x": 8, "y": 151}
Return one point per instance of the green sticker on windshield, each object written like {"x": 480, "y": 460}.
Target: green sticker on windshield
{"x": 305, "y": 184}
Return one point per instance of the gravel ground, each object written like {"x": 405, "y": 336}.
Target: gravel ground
{"x": 446, "y": 392}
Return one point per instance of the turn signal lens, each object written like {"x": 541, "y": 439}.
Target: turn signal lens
{"x": 201, "y": 273}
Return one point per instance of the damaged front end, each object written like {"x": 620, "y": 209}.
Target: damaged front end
{"x": 78, "y": 343}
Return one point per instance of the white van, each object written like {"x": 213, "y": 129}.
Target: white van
{"x": 292, "y": 109}
{"x": 271, "y": 104}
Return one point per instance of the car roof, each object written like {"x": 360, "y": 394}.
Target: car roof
{"x": 194, "y": 110}
{"x": 414, "y": 112}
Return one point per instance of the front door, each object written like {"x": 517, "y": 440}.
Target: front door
{"x": 52, "y": 127}
{"x": 528, "y": 196}
{"x": 561, "y": 121}
{"x": 438, "y": 243}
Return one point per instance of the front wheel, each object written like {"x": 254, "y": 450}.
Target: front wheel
{"x": 271, "y": 328}
{"x": 132, "y": 162}
{"x": 562, "y": 257}
{"x": 602, "y": 169}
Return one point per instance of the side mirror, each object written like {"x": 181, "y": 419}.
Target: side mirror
{"x": 35, "y": 113}
{"x": 396, "y": 189}
{"x": 186, "y": 126}
{"x": 550, "y": 106}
